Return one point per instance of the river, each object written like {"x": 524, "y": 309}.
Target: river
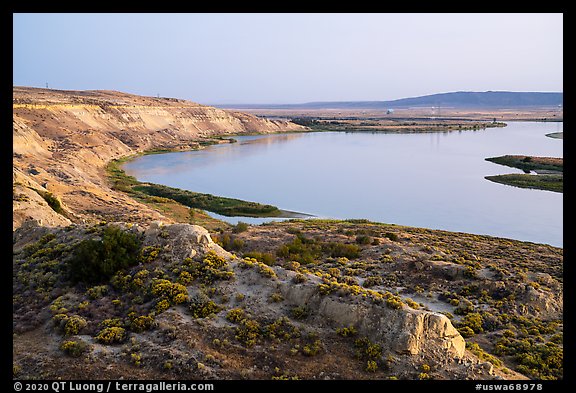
{"x": 431, "y": 180}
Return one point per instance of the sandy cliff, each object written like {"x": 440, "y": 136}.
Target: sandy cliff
{"x": 63, "y": 139}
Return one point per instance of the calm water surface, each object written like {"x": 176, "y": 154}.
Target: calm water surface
{"x": 432, "y": 180}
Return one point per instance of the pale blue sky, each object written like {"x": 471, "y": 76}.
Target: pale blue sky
{"x": 289, "y": 58}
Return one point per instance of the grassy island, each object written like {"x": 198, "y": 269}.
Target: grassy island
{"x": 549, "y": 171}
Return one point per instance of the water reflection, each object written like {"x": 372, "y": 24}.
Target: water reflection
{"x": 164, "y": 164}
{"x": 433, "y": 180}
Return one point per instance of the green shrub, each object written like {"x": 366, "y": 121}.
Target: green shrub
{"x": 111, "y": 335}
{"x": 112, "y": 322}
{"x": 210, "y": 269}
{"x": 334, "y": 272}
{"x": 161, "y": 306}
{"x": 465, "y": 331}
{"x": 483, "y": 355}
{"x": 136, "y": 359}
{"x": 371, "y": 281}
{"x": 235, "y": 315}
{"x": 73, "y": 348}
{"x": 276, "y": 297}
{"x": 229, "y": 243}
{"x": 52, "y": 201}
{"x": 535, "y": 360}
{"x": 240, "y": 227}
{"x": 557, "y": 338}
{"x": 411, "y": 303}
{"x": 335, "y": 250}
{"x": 349, "y": 280}
{"x": 173, "y": 292}
{"x": 368, "y": 351}
{"x": 266, "y": 270}
{"x": 96, "y": 261}
{"x": 346, "y": 331}
{"x": 97, "y": 292}
{"x": 301, "y": 249}
{"x": 149, "y": 254}
{"x": 200, "y": 309}
{"x": 185, "y": 278}
{"x": 59, "y": 320}
{"x": 473, "y": 321}
{"x": 391, "y": 236}
{"x": 371, "y": 366}
{"x": 470, "y": 272}
{"x": 74, "y": 324}
{"x": 363, "y": 239}
{"x": 263, "y": 257}
{"x": 248, "y": 332}
{"x": 141, "y": 323}
{"x": 394, "y": 302}
{"x": 312, "y": 349}
{"x": 299, "y": 278}
{"x": 281, "y": 329}
{"x": 121, "y": 281}
{"x": 225, "y": 206}
{"x": 300, "y": 312}
{"x": 465, "y": 307}
{"x": 292, "y": 265}
{"x": 327, "y": 289}
{"x": 237, "y": 244}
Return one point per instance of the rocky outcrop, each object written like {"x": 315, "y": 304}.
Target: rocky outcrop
{"x": 180, "y": 241}
{"x": 63, "y": 139}
{"x": 544, "y": 304}
{"x": 405, "y": 330}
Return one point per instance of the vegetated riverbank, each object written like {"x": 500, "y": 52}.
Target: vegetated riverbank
{"x": 549, "y": 172}
{"x": 393, "y": 126}
{"x": 157, "y": 193}
{"x": 530, "y": 163}
{"x": 556, "y": 135}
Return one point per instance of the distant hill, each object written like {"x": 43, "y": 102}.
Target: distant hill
{"x": 460, "y": 99}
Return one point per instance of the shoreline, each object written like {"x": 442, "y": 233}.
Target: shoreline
{"x": 284, "y": 214}
{"x": 128, "y": 184}
{"x": 549, "y": 172}
{"x": 556, "y": 135}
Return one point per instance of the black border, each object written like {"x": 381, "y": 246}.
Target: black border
{"x": 220, "y": 386}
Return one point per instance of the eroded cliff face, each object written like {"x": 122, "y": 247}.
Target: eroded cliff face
{"x": 407, "y": 331}
{"x": 63, "y": 139}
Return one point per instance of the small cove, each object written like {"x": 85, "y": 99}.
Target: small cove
{"x": 432, "y": 180}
